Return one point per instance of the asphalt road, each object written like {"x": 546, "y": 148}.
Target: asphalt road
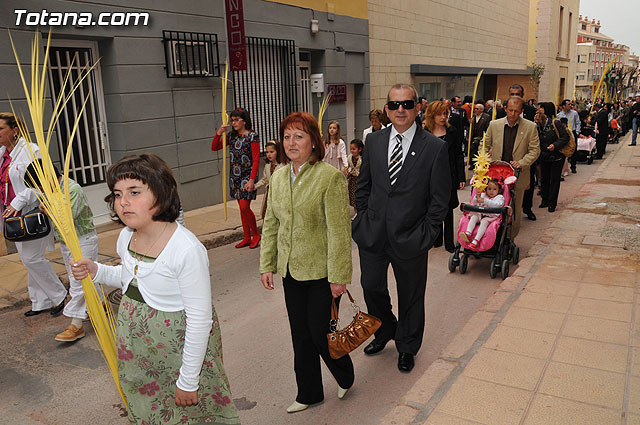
{"x": 46, "y": 382}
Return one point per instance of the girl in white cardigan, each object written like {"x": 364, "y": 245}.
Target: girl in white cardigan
{"x": 168, "y": 337}
{"x": 275, "y": 160}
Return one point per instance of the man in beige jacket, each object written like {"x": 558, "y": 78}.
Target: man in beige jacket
{"x": 515, "y": 140}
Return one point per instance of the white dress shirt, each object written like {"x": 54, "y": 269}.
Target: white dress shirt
{"x": 407, "y": 138}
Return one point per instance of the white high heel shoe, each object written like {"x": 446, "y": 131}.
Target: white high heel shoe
{"x": 297, "y": 407}
{"x": 342, "y": 392}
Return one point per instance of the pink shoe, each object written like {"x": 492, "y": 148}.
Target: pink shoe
{"x": 465, "y": 236}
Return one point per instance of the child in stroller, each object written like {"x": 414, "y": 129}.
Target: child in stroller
{"x": 495, "y": 241}
{"x": 490, "y": 198}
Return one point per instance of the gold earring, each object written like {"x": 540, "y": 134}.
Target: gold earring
{"x": 15, "y": 137}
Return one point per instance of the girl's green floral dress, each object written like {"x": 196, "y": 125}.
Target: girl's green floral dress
{"x": 150, "y": 344}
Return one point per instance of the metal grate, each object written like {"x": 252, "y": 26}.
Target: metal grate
{"x": 191, "y": 54}
{"x": 88, "y": 156}
{"x": 268, "y": 89}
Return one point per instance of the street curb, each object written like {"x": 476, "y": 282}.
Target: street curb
{"x": 209, "y": 240}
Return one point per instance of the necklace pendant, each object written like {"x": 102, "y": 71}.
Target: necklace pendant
{"x": 135, "y": 270}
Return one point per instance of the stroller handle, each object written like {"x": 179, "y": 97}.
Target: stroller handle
{"x": 483, "y": 210}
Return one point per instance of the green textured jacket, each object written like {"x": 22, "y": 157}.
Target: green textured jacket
{"x": 307, "y": 228}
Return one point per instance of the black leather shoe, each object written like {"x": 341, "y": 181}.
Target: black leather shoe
{"x": 543, "y": 204}
{"x": 376, "y": 346}
{"x": 405, "y": 362}
{"x": 450, "y": 248}
{"x": 530, "y": 215}
{"x": 33, "y": 313}
{"x": 552, "y": 209}
{"x": 57, "y": 309}
{"x": 573, "y": 170}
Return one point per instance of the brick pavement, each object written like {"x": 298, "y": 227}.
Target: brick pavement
{"x": 559, "y": 342}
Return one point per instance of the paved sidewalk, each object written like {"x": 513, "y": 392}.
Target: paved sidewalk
{"x": 207, "y": 223}
{"x": 559, "y": 342}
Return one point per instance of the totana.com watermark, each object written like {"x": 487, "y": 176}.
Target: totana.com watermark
{"x": 60, "y": 19}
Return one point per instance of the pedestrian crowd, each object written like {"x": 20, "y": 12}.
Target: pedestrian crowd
{"x": 393, "y": 192}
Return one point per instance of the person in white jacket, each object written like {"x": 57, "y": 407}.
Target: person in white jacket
{"x": 166, "y": 322}
{"x": 45, "y": 289}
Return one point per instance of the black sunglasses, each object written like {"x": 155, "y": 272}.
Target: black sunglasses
{"x": 406, "y": 104}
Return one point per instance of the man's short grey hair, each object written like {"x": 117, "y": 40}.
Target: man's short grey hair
{"x": 402, "y": 86}
{"x": 480, "y": 106}
{"x": 498, "y": 102}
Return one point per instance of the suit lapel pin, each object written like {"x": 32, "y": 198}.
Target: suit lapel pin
{"x": 413, "y": 153}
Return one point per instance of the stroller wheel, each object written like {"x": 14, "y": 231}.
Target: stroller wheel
{"x": 453, "y": 262}
{"x": 464, "y": 262}
{"x": 515, "y": 257}
{"x": 505, "y": 269}
{"x": 493, "y": 271}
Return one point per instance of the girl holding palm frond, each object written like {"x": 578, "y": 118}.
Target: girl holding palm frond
{"x": 168, "y": 337}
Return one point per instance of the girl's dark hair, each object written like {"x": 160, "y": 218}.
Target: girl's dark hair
{"x": 358, "y": 144}
{"x": 241, "y": 113}
{"x": 151, "y": 170}
{"x": 31, "y": 177}
{"x": 499, "y": 183}
{"x": 280, "y": 157}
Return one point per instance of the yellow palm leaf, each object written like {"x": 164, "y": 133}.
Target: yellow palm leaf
{"x": 55, "y": 201}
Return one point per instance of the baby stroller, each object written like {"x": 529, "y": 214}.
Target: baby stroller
{"x": 585, "y": 149}
{"x": 497, "y": 242}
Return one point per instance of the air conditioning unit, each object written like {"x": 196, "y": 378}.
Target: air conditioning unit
{"x": 191, "y": 58}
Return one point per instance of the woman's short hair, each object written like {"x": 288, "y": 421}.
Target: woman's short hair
{"x": 434, "y": 108}
{"x": 375, "y": 113}
{"x": 151, "y": 170}
{"x": 12, "y": 121}
{"x": 307, "y": 123}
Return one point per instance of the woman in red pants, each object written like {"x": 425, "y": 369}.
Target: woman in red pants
{"x": 244, "y": 157}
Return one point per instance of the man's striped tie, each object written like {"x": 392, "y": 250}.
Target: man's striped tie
{"x": 396, "y": 160}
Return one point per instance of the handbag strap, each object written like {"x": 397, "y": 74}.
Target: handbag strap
{"x": 333, "y": 323}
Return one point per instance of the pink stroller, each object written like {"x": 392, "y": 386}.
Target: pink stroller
{"x": 497, "y": 242}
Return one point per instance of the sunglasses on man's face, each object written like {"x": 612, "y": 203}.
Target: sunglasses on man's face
{"x": 406, "y": 104}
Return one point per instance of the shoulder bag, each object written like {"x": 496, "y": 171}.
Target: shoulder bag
{"x": 346, "y": 340}
{"x": 570, "y": 148}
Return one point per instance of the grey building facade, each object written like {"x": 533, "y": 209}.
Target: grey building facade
{"x": 139, "y": 103}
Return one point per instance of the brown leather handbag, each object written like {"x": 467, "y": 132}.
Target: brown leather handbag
{"x": 346, "y": 340}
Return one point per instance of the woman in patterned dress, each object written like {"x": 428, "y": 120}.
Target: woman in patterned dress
{"x": 168, "y": 337}
{"x": 244, "y": 158}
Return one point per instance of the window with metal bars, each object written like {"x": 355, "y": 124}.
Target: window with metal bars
{"x": 268, "y": 89}
{"x": 191, "y": 54}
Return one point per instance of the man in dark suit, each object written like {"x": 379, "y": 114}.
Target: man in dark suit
{"x": 601, "y": 119}
{"x": 402, "y": 196}
{"x": 479, "y": 125}
{"x": 529, "y": 111}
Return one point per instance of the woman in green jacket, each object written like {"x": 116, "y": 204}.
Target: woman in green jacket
{"x": 306, "y": 238}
